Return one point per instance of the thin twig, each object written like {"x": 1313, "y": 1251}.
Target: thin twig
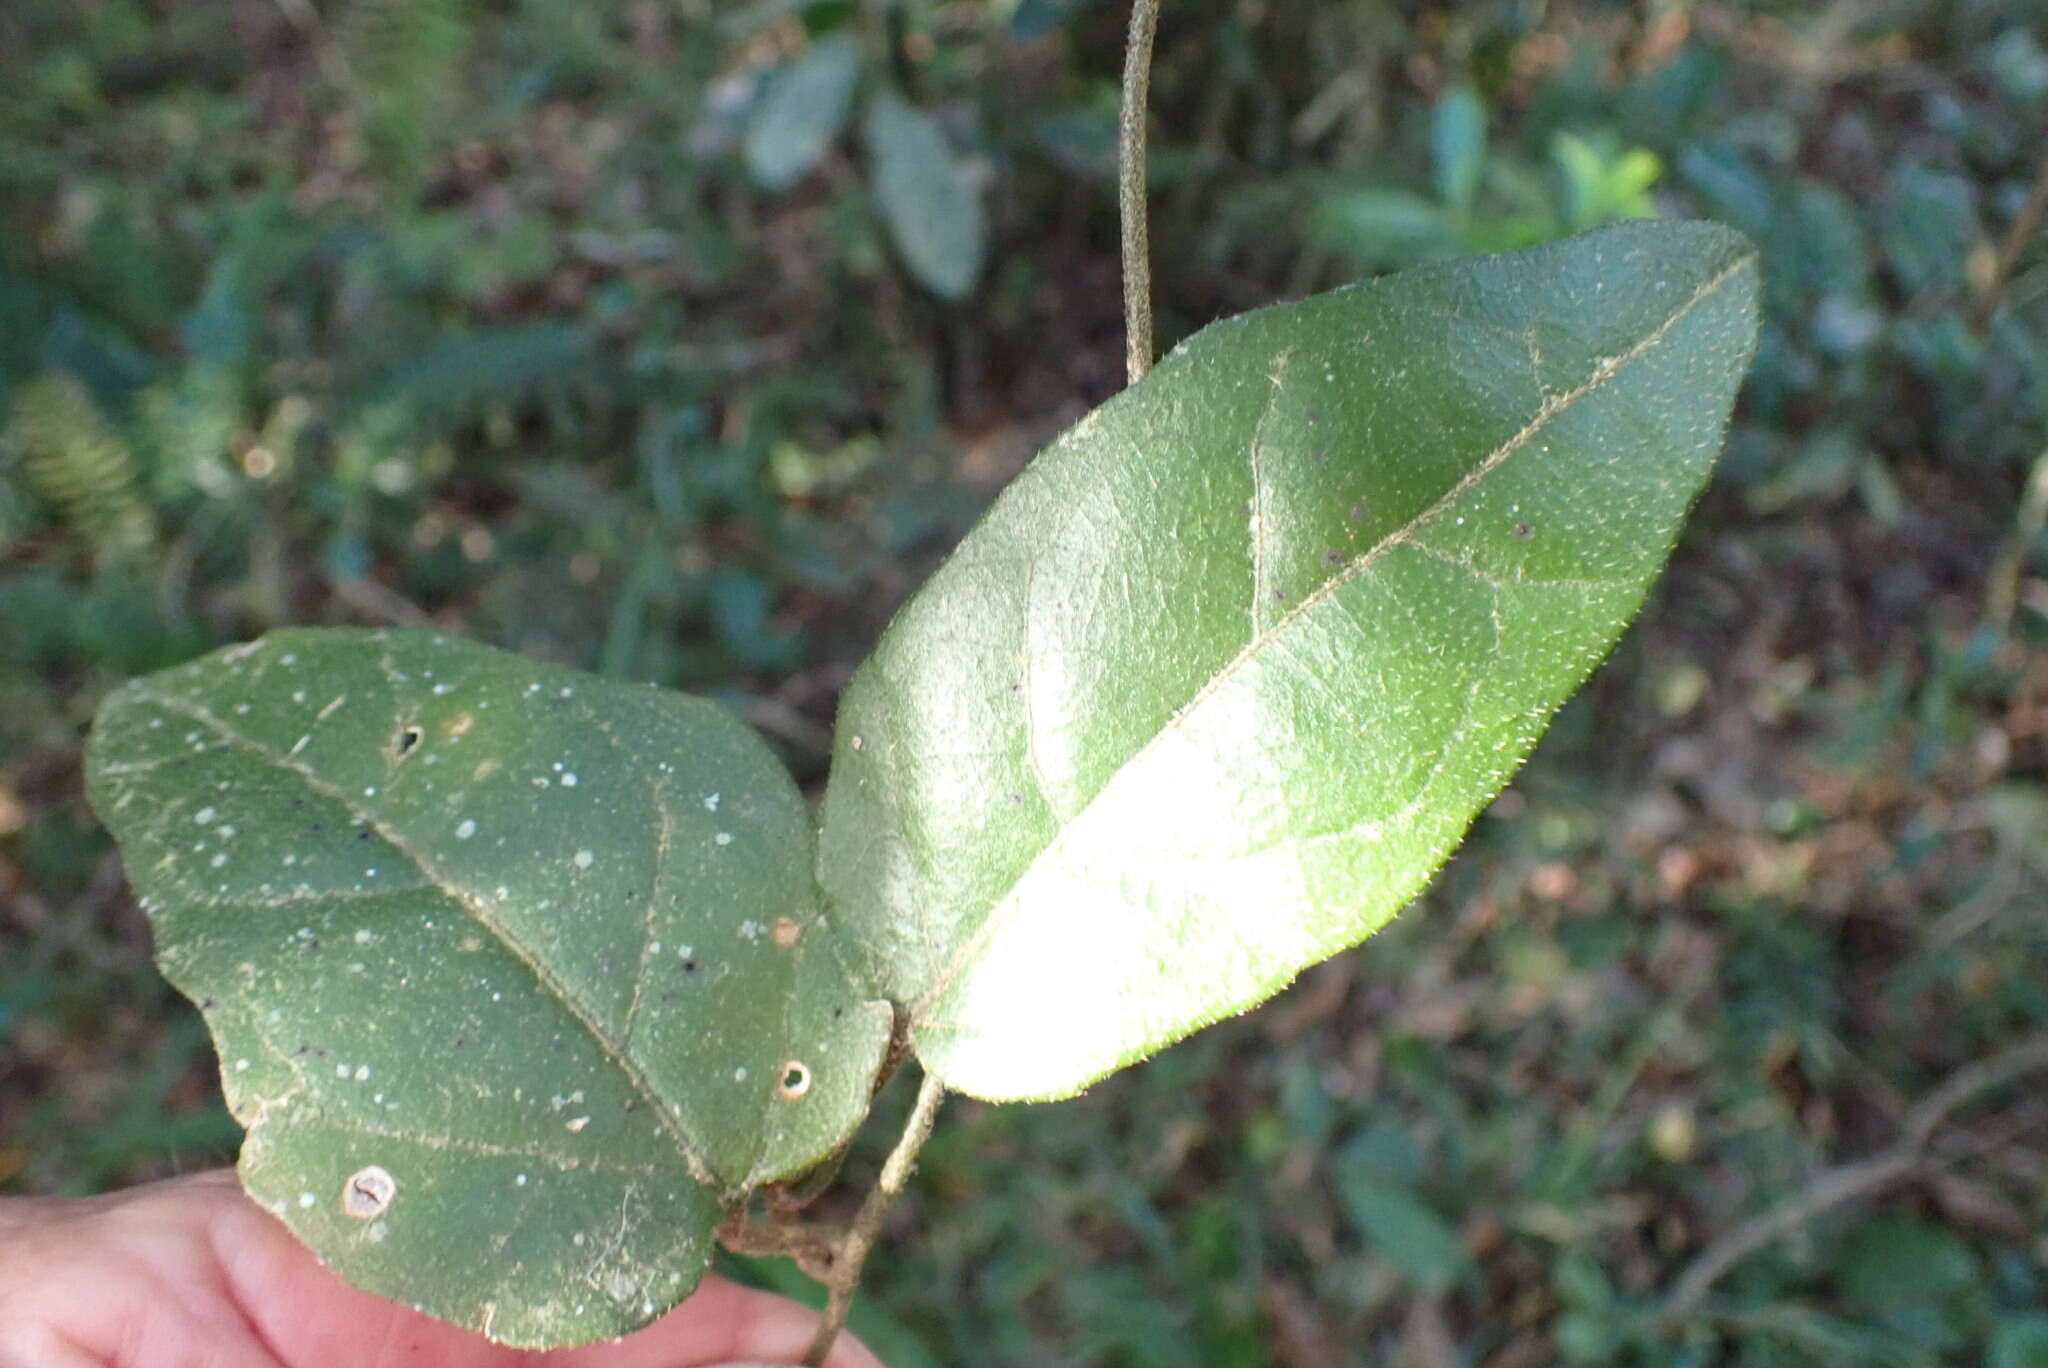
{"x": 1905, "y": 1157}
{"x": 1131, "y": 187}
{"x": 860, "y": 1236}
{"x": 2023, "y": 225}
{"x": 2002, "y": 582}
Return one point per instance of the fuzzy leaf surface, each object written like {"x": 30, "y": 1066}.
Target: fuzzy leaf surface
{"x": 516, "y": 974}
{"x": 1224, "y": 676}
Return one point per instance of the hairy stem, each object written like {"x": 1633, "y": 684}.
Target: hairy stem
{"x": 1131, "y": 185}
{"x": 852, "y": 1253}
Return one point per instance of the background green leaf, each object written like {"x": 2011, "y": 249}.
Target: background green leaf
{"x": 1457, "y": 142}
{"x": 515, "y": 973}
{"x": 1412, "y": 1237}
{"x": 1223, "y": 676}
{"x": 801, "y": 112}
{"x": 931, "y": 206}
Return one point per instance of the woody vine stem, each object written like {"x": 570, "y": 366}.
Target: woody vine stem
{"x": 1131, "y": 186}
{"x": 851, "y": 1252}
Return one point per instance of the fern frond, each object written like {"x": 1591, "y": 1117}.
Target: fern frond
{"x": 76, "y": 462}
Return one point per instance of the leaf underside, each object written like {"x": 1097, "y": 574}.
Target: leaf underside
{"x": 1224, "y": 676}
{"x": 516, "y": 974}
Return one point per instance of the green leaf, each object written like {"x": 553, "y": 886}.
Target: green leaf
{"x": 930, "y": 204}
{"x": 1383, "y": 228}
{"x": 516, "y": 974}
{"x": 1412, "y": 1237}
{"x": 1224, "y": 675}
{"x": 1457, "y": 141}
{"x": 2020, "y": 1342}
{"x": 801, "y": 112}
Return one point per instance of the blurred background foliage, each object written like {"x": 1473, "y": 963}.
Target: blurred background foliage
{"x": 677, "y": 340}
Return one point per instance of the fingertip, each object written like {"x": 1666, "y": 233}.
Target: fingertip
{"x": 721, "y": 1325}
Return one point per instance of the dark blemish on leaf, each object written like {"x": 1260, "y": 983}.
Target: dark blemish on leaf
{"x": 1279, "y": 596}
{"x": 689, "y": 966}
{"x": 363, "y": 835}
{"x": 1314, "y": 413}
{"x": 1333, "y": 556}
{"x": 409, "y": 740}
{"x": 368, "y": 1192}
{"x": 796, "y": 1080}
{"x": 1523, "y": 531}
{"x": 206, "y": 1004}
{"x": 1322, "y": 455}
{"x": 302, "y": 1049}
{"x": 1357, "y": 513}
{"x": 460, "y": 1041}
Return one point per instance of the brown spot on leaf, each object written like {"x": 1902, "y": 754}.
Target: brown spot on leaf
{"x": 368, "y": 1192}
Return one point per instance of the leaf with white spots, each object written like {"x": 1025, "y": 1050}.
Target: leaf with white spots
{"x": 1225, "y": 674}
{"x": 508, "y": 965}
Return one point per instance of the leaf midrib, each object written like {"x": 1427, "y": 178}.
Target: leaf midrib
{"x": 1553, "y": 405}
{"x": 467, "y": 900}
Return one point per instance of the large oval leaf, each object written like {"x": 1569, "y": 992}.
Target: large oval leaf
{"x": 1223, "y": 677}
{"x": 516, "y": 974}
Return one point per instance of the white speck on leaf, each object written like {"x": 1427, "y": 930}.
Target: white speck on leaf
{"x": 465, "y": 829}
{"x": 584, "y": 859}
